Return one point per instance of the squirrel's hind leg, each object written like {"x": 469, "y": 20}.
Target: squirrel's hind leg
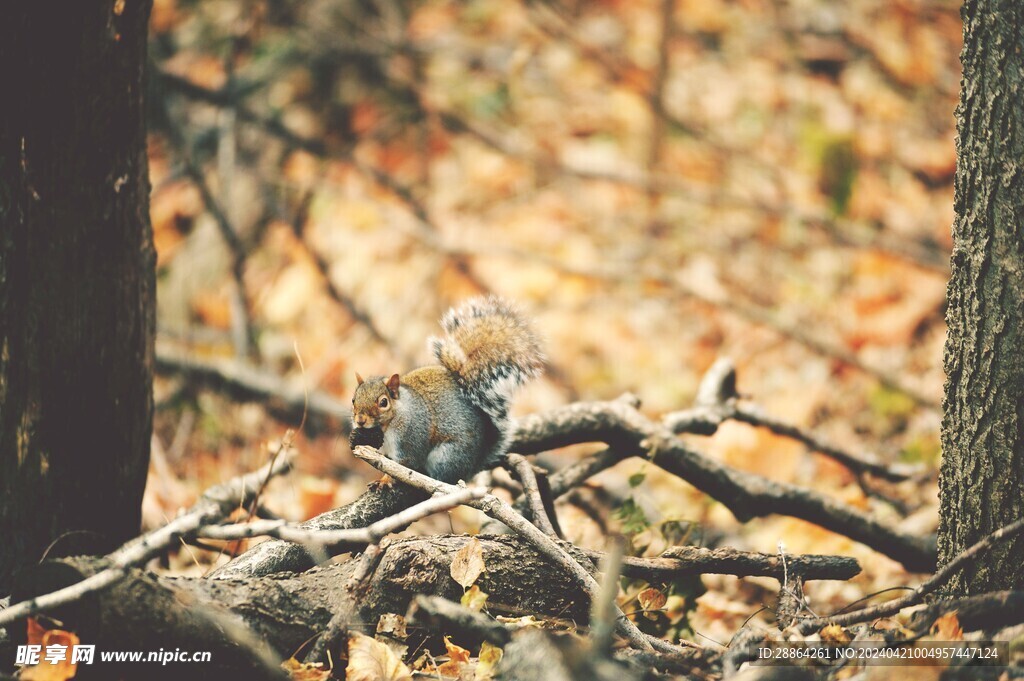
{"x": 450, "y": 462}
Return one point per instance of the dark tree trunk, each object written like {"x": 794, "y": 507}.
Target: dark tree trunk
{"x": 76, "y": 278}
{"x": 982, "y": 475}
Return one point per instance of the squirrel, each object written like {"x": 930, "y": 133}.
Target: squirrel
{"x": 451, "y": 420}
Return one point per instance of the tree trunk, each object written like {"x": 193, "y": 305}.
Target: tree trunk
{"x": 983, "y": 425}
{"x": 77, "y": 284}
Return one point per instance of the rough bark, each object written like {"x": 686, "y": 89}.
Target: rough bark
{"x": 277, "y": 555}
{"x": 285, "y": 611}
{"x": 76, "y": 278}
{"x": 982, "y": 470}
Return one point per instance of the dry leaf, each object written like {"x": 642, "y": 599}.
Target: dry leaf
{"x": 834, "y": 633}
{"x": 62, "y": 643}
{"x": 468, "y": 563}
{"x": 651, "y": 600}
{"x": 947, "y": 628}
{"x": 301, "y": 671}
{"x": 474, "y": 598}
{"x": 521, "y": 622}
{"x": 488, "y": 661}
{"x": 456, "y": 653}
{"x": 457, "y": 658}
{"x": 392, "y": 625}
{"x": 392, "y": 633}
{"x": 371, "y": 660}
{"x": 34, "y": 632}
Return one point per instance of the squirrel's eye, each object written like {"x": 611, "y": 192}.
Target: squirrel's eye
{"x": 382, "y": 403}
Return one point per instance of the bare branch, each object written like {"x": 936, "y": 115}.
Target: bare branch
{"x": 629, "y": 433}
{"x": 372, "y": 534}
{"x": 524, "y": 470}
{"x": 278, "y": 556}
{"x": 917, "y": 595}
{"x": 250, "y": 382}
{"x": 215, "y": 504}
{"x": 718, "y": 401}
{"x": 441, "y": 614}
{"x": 691, "y": 560}
{"x": 501, "y": 511}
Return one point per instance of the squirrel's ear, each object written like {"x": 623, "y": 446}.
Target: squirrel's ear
{"x": 393, "y": 385}
{"x": 359, "y": 379}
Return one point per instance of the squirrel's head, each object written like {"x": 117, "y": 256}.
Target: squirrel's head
{"x": 373, "y": 404}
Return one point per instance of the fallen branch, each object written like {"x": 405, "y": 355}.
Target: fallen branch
{"x": 504, "y": 513}
{"x": 531, "y": 490}
{"x": 681, "y": 561}
{"x": 278, "y": 555}
{"x": 298, "y": 533}
{"x": 247, "y": 381}
{"x": 989, "y": 612}
{"x": 629, "y": 433}
{"x": 917, "y": 596}
{"x": 215, "y": 504}
{"x": 718, "y": 401}
{"x": 143, "y": 611}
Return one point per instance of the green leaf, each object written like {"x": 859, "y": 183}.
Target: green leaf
{"x": 633, "y": 518}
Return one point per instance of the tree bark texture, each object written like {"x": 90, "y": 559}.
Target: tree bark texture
{"x": 77, "y": 278}
{"x": 982, "y": 471}
{"x": 285, "y": 611}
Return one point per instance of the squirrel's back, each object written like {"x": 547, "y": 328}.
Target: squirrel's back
{"x": 491, "y": 350}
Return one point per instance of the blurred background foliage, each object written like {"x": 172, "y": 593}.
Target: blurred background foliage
{"x": 658, "y": 182}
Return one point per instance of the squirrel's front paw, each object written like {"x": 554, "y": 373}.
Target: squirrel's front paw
{"x": 384, "y": 482}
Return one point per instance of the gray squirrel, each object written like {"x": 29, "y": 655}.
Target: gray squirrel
{"x": 450, "y": 420}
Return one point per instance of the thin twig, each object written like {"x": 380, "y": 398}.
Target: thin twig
{"x": 524, "y": 470}
{"x": 356, "y": 313}
{"x": 499, "y": 510}
{"x": 915, "y": 597}
{"x": 602, "y": 617}
{"x": 630, "y": 433}
{"x": 250, "y": 381}
{"x": 215, "y": 504}
{"x": 241, "y": 304}
{"x": 372, "y": 534}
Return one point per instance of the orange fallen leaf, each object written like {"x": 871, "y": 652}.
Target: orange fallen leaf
{"x": 652, "y": 601}
{"x": 947, "y": 628}
{"x": 457, "y": 658}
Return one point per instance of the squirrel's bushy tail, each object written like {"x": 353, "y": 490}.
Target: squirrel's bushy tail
{"x": 491, "y": 350}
